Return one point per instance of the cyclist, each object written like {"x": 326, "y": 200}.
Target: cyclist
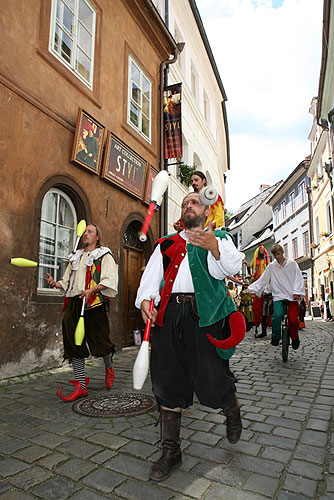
{"x": 286, "y": 282}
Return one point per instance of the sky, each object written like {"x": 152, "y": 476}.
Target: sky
{"x": 268, "y": 54}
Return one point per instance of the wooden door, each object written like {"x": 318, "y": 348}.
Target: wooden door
{"x": 133, "y": 263}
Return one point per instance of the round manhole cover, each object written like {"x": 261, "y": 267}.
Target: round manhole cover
{"x": 115, "y": 405}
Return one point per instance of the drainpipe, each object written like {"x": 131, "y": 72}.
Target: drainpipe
{"x": 164, "y": 163}
{"x": 309, "y": 205}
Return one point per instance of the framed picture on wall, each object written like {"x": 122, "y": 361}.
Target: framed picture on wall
{"x": 88, "y": 142}
{"x": 150, "y": 176}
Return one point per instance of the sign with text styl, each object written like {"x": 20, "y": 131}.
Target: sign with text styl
{"x": 122, "y": 166}
{"x": 172, "y": 121}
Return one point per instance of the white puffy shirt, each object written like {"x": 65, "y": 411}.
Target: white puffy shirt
{"x": 284, "y": 281}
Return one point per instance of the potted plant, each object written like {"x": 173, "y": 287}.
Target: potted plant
{"x": 185, "y": 172}
{"x": 324, "y": 235}
{"x": 314, "y": 245}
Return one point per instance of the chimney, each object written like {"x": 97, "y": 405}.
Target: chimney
{"x": 263, "y": 187}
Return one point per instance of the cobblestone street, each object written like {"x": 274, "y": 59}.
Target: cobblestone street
{"x": 286, "y": 452}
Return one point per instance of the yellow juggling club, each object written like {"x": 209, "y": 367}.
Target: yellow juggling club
{"x": 81, "y": 228}
{"x": 79, "y": 333}
{"x": 20, "y": 262}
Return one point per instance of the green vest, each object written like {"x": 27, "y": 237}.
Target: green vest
{"x": 212, "y": 299}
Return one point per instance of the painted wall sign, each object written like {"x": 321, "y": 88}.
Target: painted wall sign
{"x": 123, "y": 167}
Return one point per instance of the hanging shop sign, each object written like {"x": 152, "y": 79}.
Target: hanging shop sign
{"x": 172, "y": 121}
{"x": 124, "y": 167}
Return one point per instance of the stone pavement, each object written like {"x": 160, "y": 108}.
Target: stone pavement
{"x": 47, "y": 451}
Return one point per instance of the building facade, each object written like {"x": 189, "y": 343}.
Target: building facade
{"x": 73, "y": 69}
{"x": 291, "y": 214}
{"x": 321, "y": 166}
{"x": 204, "y": 120}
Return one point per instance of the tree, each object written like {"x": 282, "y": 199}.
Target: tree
{"x": 228, "y": 214}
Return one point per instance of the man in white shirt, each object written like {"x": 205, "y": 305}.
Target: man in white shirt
{"x": 196, "y": 315}
{"x": 286, "y": 282}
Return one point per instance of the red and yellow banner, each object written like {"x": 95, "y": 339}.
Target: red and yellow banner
{"x": 172, "y": 121}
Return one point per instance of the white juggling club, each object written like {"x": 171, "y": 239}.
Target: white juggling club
{"x": 141, "y": 365}
{"x": 159, "y": 186}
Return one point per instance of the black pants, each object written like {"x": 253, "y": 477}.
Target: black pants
{"x": 183, "y": 361}
{"x": 97, "y": 332}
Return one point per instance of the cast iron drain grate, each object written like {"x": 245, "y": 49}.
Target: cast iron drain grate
{"x": 121, "y": 404}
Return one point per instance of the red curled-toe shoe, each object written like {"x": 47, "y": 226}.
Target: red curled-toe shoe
{"x": 110, "y": 377}
{"x": 77, "y": 393}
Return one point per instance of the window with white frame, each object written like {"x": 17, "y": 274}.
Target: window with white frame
{"x": 194, "y": 82}
{"x": 206, "y": 106}
{"x": 302, "y": 192}
{"x": 286, "y": 250}
{"x": 292, "y": 201}
{"x": 57, "y": 234}
{"x": 72, "y": 36}
{"x": 306, "y": 243}
{"x": 295, "y": 248}
{"x": 317, "y": 230}
{"x": 283, "y": 209}
{"x": 276, "y": 216}
{"x": 139, "y": 100}
{"x": 329, "y": 222}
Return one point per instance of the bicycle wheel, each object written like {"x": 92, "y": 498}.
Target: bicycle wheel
{"x": 285, "y": 343}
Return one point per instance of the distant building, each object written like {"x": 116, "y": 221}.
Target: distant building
{"x": 291, "y": 211}
{"x": 250, "y": 224}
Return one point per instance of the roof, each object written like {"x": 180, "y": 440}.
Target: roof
{"x": 266, "y": 233}
{"x": 249, "y": 207}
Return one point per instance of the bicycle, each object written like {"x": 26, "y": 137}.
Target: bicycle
{"x": 285, "y": 331}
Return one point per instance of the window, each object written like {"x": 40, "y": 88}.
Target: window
{"x": 194, "y": 82}
{"x": 292, "y": 201}
{"x": 283, "y": 209}
{"x": 317, "y": 230}
{"x": 286, "y": 251}
{"x": 329, "y": 222}
{"x": 276, "y": 216}
{"x": 72, "y": 36}
{"x": 206, "y": 106}
{"x": 240, "y": 239}
{"x": 294, "y": 248}
{"x": 57, "y": 233}
{"x": 302, "y": 192}
{"x": 306, "y": 243}
{"x": 139, "y": 100}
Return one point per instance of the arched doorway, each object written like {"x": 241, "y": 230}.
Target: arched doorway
{"x": 134, "y": 253}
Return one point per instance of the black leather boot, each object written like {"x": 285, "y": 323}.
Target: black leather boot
{"x": 233, "y": 421}
{"x": 170, "y": 423}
